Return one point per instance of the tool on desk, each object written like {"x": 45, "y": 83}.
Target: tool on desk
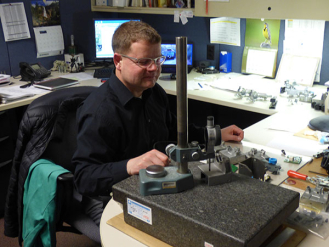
{"x": 283, "y": 153}
{"x": 293, "y": 90}
{"x": 315, "y": 199}
{"x": 250, "y": 94}
{"x": 318, "y": 180}
{"x": 319, "y": 104}
{"x": 273, "y": 103}
{"x": 176, "y": 179}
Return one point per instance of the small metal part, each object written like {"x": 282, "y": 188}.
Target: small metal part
{"x": 267, "y": 177}
{"x": 316, "y": 198}
{"x": 272, "y": 161}
{"x": 155, "y": 171}
{"x": 195, "y": 156}
{"x": 194, "y": 143}
{"x": 273, "y": 103}
{"x": 293, "y": 159}
{"x": 169, "y": 148}
{"x": 251, "y": 95}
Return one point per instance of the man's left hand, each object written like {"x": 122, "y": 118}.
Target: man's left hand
{"x": 232, "y": 133}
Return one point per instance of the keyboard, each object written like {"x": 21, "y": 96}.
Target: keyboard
{"x": 103, "y": 72}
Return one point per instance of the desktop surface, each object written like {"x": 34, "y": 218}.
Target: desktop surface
{"x": 26, "y": 101}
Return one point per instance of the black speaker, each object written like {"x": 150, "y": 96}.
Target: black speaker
{"x": 210, "y": 52}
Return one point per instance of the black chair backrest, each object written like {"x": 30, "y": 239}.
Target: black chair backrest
{"x": 62, "y": 144}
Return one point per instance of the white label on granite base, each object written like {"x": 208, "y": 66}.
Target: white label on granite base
{"x": 207, "y": 245}
{"x": 139, "y": 211}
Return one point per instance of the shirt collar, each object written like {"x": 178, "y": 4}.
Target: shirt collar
{"x": 122, "y": 92}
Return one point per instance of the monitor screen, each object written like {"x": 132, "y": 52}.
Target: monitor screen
{"x": 104, "y": 30}
{"x": 169, "y": 51}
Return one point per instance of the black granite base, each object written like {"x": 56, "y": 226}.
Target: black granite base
{"x": 244, "y": 212}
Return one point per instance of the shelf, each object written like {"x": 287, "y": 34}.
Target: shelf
{"x": 137, "y": 10}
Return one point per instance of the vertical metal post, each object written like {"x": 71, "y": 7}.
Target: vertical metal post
{"x": 181, "y": 89}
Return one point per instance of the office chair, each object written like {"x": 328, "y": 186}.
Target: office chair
{"x": 61, "y": 148}
{"x": 48, "y": 131}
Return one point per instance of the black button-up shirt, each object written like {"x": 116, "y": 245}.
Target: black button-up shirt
{"x": 113, "y": 127}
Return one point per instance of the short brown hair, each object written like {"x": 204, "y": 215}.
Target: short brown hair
{"x": 133, "y": 31}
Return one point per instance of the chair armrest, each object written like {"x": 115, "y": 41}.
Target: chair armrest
{"x": 65, "y": 177}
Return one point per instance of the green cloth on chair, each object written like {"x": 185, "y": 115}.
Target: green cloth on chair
{"x": 39, "y": 200}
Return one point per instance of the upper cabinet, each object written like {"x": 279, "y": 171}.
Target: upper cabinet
{"x": 138, "y": 10}
{"x": 268, "y": 9}
{"x": 254, "y": 9}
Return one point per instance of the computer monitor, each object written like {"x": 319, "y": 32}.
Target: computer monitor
{"x": 169, "y": 50}
{"x": 104, "y": 30}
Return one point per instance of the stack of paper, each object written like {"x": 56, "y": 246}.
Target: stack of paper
{"x": 12, "y": 93}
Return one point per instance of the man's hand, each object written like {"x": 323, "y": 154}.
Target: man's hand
{"x": 232, "y": 133}
{"x": 153, "y": 157}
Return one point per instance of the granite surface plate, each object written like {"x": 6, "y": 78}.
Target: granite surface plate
{"x": 244, "y": 212}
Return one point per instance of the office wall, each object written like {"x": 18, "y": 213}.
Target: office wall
{"x": 76, "y": 19}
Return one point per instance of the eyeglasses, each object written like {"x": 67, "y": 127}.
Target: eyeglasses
{"x": 146, "y": 62}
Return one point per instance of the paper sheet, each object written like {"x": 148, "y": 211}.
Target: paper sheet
{"x": 297, "y": 145}
{"x": 15, "y": 92}
{"x": 259, "y": 61}
{"x": 49, "y": 41}
{"x": 14, "y": 22}
{"x": 225, "y": 30}
{"x": 305, "y": 38}
{"x": 300, "y": 69}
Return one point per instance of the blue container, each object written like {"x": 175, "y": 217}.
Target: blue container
{"x": 225, "y": 62}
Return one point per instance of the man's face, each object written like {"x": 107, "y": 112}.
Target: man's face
{"x": 135, "y": 78}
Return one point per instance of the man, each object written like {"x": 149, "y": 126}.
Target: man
{"x": 120, "y": 121}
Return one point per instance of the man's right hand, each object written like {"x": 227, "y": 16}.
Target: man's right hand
{"x": 153, "y": 157}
